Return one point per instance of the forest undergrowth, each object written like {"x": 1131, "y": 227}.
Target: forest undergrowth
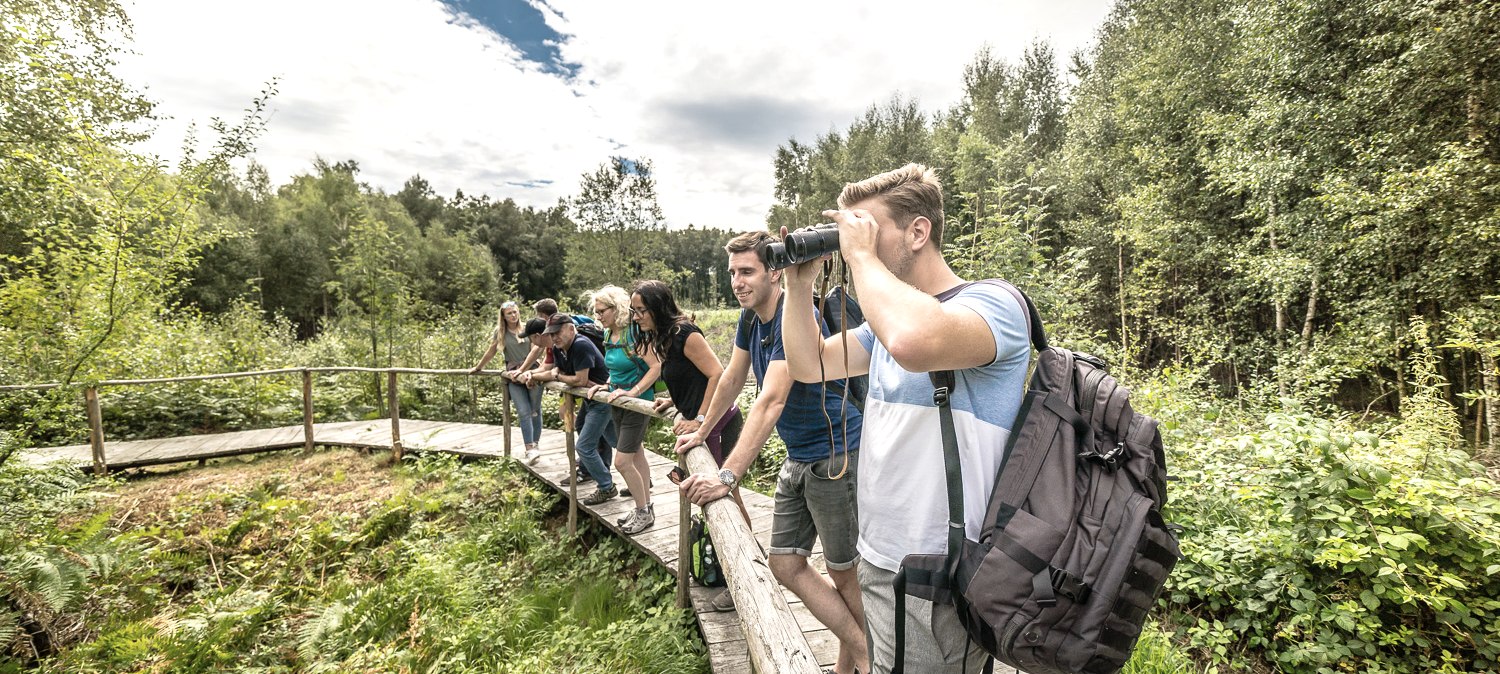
{"x": 331, "y": 561}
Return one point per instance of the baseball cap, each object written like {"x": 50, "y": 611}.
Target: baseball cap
{"x": 556, "y": 322}
{"x": 535, "y": 326}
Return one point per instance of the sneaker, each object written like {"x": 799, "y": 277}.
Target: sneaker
{"x": 640, "y": 520}
{"x": 650, "y": 508}
{"x": 722, "y": 601}
{"x": 626, "y": 490}
{"x": 581, "y": 477}
{"x": 532, "y": 454}
{"x": 600, "y": 495}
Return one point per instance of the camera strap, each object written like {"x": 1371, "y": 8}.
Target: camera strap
{"x": 828, "y": 269}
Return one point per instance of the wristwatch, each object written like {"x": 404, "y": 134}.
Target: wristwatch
{"x": 699, "y": 419}
{"x": 727, "y": 477}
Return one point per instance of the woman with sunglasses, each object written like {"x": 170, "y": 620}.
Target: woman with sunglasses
{"x": 629, "y": 375}
{"x": 688, "y": 365}
{"x": 517, "y": 349}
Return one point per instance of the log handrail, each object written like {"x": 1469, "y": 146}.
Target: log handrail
{"x": 776, "y": 643}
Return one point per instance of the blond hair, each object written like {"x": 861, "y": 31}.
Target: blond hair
{"x": 615, "y": 296}
{"x": 909, "y": 192}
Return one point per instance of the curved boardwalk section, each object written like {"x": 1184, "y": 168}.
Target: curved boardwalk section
{"x": 728, "y": 651}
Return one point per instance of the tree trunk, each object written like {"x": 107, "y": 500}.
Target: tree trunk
{"x": 1120, "y": 271}
{"x": 1307, "y": 322}
{"x": 1280, "y": 307}
{"x": 1491, "y": 397}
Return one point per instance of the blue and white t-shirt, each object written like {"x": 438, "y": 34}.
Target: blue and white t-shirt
{"x": 903, "y": 493}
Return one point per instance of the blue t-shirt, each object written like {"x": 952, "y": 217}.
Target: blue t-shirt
{"x": 583, "y": 354}
{"x": 903, "y": 451}
{"x": 802, "y": 425}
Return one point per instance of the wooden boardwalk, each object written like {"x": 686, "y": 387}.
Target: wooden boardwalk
{"x": 727, "y": 649}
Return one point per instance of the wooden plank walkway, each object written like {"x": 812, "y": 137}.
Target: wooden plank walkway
{"x": 728, "y": 652}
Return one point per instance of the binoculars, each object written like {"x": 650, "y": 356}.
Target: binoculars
{"x": 808, "y": 243}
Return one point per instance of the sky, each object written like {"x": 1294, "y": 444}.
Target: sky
{"x": 517, "y": 99}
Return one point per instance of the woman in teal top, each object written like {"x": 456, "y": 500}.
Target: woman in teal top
{"x": 633, "y": 376}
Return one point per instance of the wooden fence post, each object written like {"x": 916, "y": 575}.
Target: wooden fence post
{"x": 776, "y": 643}
{"x": 505, "y": 412}
{"x": 307, "y": 410}
{"x": 684, "y": 551}
{"x": 395, "y": 406}
{"x": 96, "y": 429}
{"x": 567, "y": 419}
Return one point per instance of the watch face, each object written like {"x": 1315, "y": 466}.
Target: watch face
{"x": 727, "y": 477}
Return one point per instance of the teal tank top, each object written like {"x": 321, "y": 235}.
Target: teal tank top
{"x": 625, "y": 369}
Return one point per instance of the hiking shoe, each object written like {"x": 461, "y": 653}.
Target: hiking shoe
{"x": 580, "y": 478}
{"x": 650, "y": 509}
{"x": 640, "y": 520}
{"x": 600, "y": 495}
{"x": 722, "y": 601}
{"x": 626, "y": 490}
{"x": 532, "y": 455}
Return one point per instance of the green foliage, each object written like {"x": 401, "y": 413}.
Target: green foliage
{"x": 1319, "y": 548}
{"x": 620, "y": 238}
{"x": 328, "y": 564}
{"x": 93, "y": 237}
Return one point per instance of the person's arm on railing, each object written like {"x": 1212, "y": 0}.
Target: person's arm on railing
{"x": 494, "y": 345}
{"x": 531, "y": 358}
{"x": 696, "y": 349}
{"x": 648, "y": 380}
{"x": 703, "y": 488}
{"x": 579, "y": 379}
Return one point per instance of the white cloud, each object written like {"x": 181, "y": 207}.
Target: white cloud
{"x": 403, "y": 88}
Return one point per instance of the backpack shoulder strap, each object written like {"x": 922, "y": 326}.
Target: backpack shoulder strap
{"x": 1033, "y": 317}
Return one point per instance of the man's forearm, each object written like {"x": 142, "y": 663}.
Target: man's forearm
{"x": 890, "y": 318}
{"x": 799, "y": 333}
{"x": 531, "y": 357}
{"x": 763, "y": 416}
{"x": 724, "y": 394}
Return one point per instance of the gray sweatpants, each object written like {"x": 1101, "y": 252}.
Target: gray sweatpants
{"x": 935, "y": 640}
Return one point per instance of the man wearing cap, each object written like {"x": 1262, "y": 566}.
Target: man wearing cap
{"x": 578, "y": 363}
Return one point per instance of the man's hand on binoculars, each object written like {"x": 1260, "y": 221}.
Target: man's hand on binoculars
{"x": 858, "y": 232}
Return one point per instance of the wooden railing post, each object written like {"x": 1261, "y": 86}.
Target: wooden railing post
{"x": 307, "y": 410}
{"x": 684, "y": 551}
{"x": 567, "y": 419}
{"x": 505, "y": 412}
{"x": 96, "y": 429}
{"x": 776, "y": 643}
{"x": 395, "y": 405}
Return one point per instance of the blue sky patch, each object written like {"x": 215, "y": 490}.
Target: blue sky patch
{"x": 522, "y": 25}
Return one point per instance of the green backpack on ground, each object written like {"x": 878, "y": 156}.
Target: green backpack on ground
{"x": 704, "y": 560}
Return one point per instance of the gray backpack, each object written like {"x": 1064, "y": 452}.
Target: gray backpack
{"x": 1073, "y": 550}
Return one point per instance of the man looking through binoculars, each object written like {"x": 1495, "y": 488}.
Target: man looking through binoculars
{"x": 920, "y": 317}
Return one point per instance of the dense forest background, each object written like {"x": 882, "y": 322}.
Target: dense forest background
{"x": 1279, "y": 221}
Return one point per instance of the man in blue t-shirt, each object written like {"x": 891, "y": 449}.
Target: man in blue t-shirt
{"x": 578, "y": 363}
{"x": 815, "y": 491}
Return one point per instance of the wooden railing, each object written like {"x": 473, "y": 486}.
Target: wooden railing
{"x": 776, "y": 643}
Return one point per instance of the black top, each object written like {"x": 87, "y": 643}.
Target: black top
{"x": 583, "y": 354}
{"x": 684, "y": 380}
